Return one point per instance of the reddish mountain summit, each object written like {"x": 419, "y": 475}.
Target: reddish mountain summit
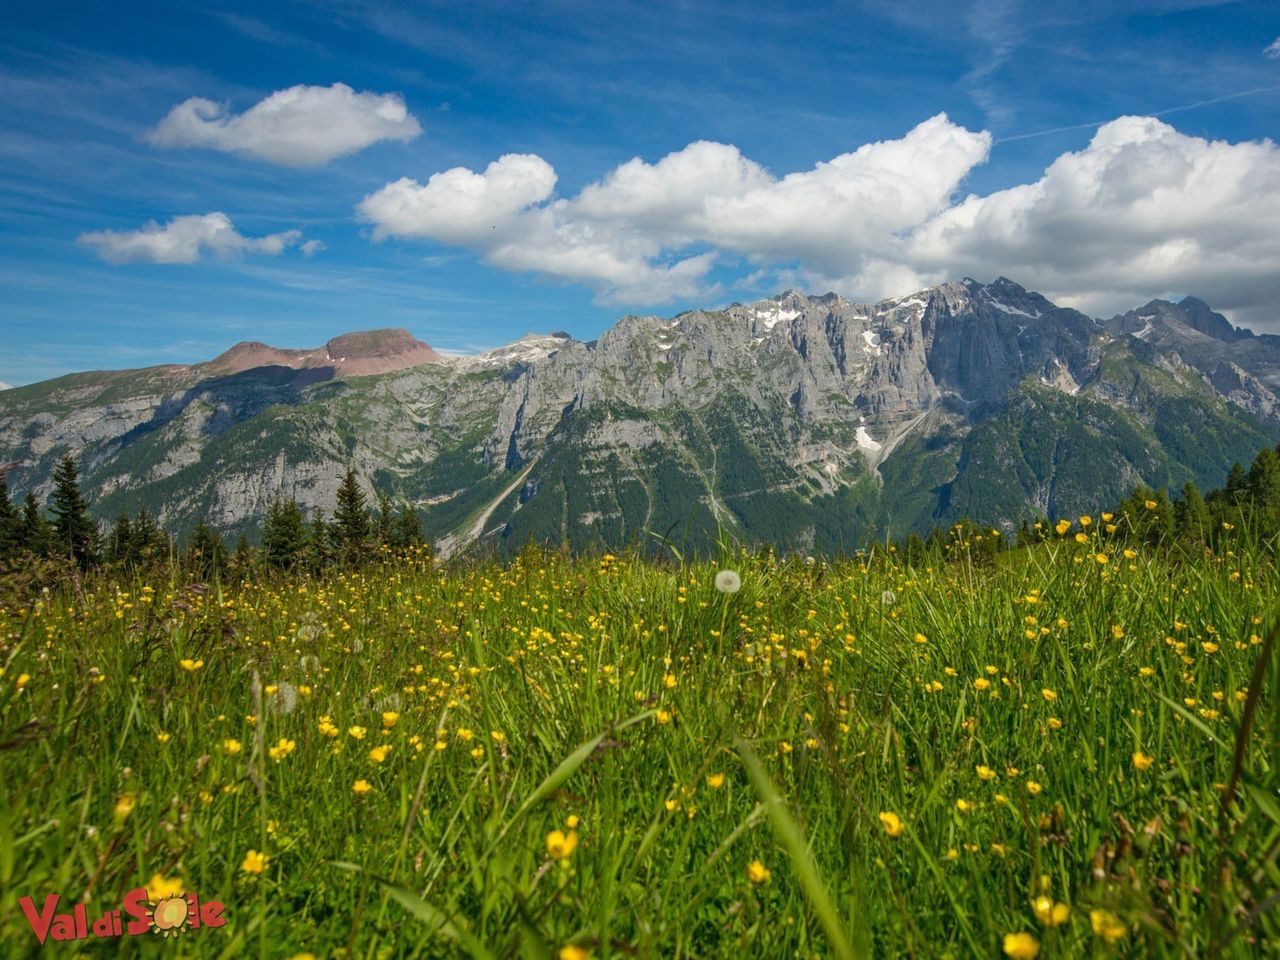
{"x": 349, "y": 355}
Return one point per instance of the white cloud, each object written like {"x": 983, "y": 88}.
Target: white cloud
{"x": 184, "y": 240}
{"x": 312, "y": 247}
{"x": 640, "y": 234}
{"x": 5, "y": 386}
{"x": 1273, "y": 51}
{"x": 298, "y": 127}
{"x": 1141, "y": 211}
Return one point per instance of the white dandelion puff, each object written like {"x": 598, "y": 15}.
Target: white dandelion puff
{"x": 310, "y": 629}
{"x": 888, "y": 598}
{"x": 285, "y": 699}
{"x": 728, "y": 581}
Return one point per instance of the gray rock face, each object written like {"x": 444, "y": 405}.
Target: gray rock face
{"x": 790, "y": 419}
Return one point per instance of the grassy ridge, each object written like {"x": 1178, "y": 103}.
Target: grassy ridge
{"x": 615, "y": 757}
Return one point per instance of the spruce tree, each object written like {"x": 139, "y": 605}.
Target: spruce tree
{"x": 10, "y": 523}
{"x": 384, "y": 531}
{"x": 206, "y": 554}
{"x": 122, "y": 545}
{"x": 1237, "y": 484}
{"x": 352, "y": 528}
{"x": 1264, "y": 480}
{"x": 36, "y": 537}
{"x": 74, "y": 531}
{"x": 284, "y": 537}
{"x": 408, "y": 530}
{"x": 150, "y": 542}
{"x": 1191, "y": 515}
{"x": 322, "y": 542}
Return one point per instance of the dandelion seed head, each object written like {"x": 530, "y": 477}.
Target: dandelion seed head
{"x": 728, "y": 581}
{"x": 285, "y": 699}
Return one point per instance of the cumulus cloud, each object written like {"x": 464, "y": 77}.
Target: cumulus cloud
{"x": 1273, "y": 51}
{"x": 301, "y": 126}
{"x": 635, "y": 235}
{"x": 184, "y": 240}
{"x": 1142, "y": 210}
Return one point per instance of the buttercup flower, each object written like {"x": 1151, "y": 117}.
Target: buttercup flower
{"x": 891, "y": 823}
{"x": 1021, "y": 946}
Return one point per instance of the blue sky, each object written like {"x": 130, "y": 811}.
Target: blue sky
{"x": 563, "y": 239}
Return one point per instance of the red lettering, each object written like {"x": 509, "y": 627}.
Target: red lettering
{"x": 211, "y": 914}
{"x": 40, "y": 922}
{"x": 135, "y": 905}
{"x": 64, "y": 927}
{"x": 105, "y": 925}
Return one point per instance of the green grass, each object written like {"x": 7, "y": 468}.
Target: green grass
{"x": 611, "y": 692}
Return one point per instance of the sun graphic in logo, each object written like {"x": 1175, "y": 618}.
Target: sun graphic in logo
{"x": 169, "y": 915}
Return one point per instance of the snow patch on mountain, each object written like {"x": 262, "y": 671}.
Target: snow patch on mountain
{"x": 774, "y": 314}
{"x": 1011, "y": 310}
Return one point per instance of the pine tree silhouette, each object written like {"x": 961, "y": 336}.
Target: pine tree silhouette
{"x": 75, "y": 533}
{"x": 352, "y": 528}
{"x": 10, "y": 523}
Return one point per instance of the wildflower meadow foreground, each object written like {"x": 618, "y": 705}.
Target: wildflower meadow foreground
{"x": 1069, "y": 751}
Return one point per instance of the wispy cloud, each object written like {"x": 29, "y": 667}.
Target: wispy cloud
{"x": 997, "y": 28}
{"x": 1168, "y": 111}
{"x": 263, "y": 32}
{"x": 184, "y": 240}
{"x": 297, "y": 127}
{"x": 1272, "y": 52}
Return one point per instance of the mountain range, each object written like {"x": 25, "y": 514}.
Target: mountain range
{"x": 811, "y": 423}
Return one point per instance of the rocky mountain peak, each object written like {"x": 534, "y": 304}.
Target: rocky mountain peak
{"x": 1199, "y": 316}
{"x": 374, "y": 344}
{"x": 352, "y": 354}
{"x": 780, "y": 419}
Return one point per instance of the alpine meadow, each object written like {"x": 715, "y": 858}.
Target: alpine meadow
{"x": 620, "y": 480}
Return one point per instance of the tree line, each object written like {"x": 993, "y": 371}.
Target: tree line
{"x": 1249, "y": 501}
{"x": 357, "y": 533}
{"x": 65, "y": 529}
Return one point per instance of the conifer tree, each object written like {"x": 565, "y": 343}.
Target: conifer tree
{"x": 352, "y": 528}
{"x": 1191, "y": 515}
{"x": 206, "y": 554}
{"x": 75, "y": 533}
{"x": 408, "y": 529}
{"x": 322, "y": 543}
{"x": 1237, "y": 484}
{"x": 36, "y": 536}
{"x": 1264, "y": 481}
{"x": 121, "y": 544}
{"x": 150, "y": 542}
{"x": 384, "y": 530}
{"x": 284, "y": 537}
{"x": 10, "y": 522}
